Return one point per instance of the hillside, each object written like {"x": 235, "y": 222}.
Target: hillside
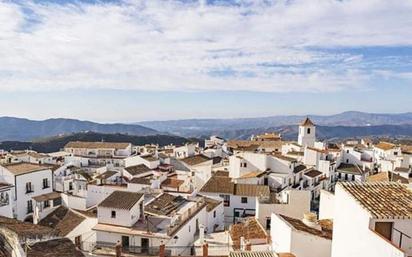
{"x": 195, "y": 127}
{"x": 17, "y": 129}
{"x": 290, "y": 132}
{"x": 54, "y": 144}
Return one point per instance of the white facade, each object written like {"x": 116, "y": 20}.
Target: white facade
{"x": 307, "y": 135}
{"x": 354, "y": 231}
{"x": 288, "y": 239}
{"x": 26, "y": 186}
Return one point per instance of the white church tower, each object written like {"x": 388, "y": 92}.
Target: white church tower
{"x": 307, "y": 133}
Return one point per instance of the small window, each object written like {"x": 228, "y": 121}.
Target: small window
{"x": 29, "y": 206}
{"x": 347, "y": 151}
{"x": 243, "y": 199}
{"x": 29, "y": 188}
{"x": 267, "y": 223}
{"x": 45, "y": 183}
{"x": 214, "y": 214}
{"x": 226, "y": 200}
{"x": 308, "y": 130}
{"x": 70, "y": 186}
{"x": 189, "y": 228}
{"x": 395, "y": 153}
{"x": 113, "y": 214}
{"x": 46, "y": 204}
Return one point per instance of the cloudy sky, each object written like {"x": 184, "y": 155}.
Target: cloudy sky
{"x": 138, "y": 60}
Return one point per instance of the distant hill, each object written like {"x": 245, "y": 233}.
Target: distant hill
{"x": 53, "y": 144}
{"x": 290, "y": 132}
{"x": 195, "y": 127}
{"x": 17, "y": 129}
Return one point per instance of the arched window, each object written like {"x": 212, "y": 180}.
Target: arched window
{"x": 308, "y": 130}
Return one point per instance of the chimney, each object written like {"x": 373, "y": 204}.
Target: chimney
{"x": 205, "y": 250}
{"x": 162, "y": 249}
{"x": 311, "y": 220}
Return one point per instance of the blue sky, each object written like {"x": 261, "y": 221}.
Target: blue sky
{"x": 132, "y": 60}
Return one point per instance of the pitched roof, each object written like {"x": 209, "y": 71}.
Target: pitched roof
{"x": 211, "y": 203}
{"x": 219, "y": 184}
{"x": 62, "y": 220}
{"x": 307, "y": 122}
{"x": 172, "y": 182}
{"x": 224, "y": 185}
{"x": 195, "y": 160}
{"x": 387, "y": 176}
{"x": 383, "y": 200}
{"x": 402, "y": 169}
{"x": 299, "y": 168}
{"x": 137, "y": 169}
{"x": 253, "y": 174}
{"x": 96, "y": 145}
{"x": 121, "y": 200}
{"x": 299, "y": 225}
{"x": 252, "y": 190}
{"x": 141, "y": 180}
{"x": 24, "y": 167}
{"x": 107, "y": 174}
{"x": 313, "y": 173}
{"x": 25, "y": 229}
{"x": 62, "y": 247}
{"x": 249, "y": 229}
{"x": 350, "y": 168}
{"x": 385, "y": 146}
{"x": 164, "y": 204}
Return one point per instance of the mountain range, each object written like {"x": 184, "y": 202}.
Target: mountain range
{"x": 27, "y": 130}
{"x": 56, "y": 143}
{"x": 342, "y": 125}
{"x": 193, "y": 127}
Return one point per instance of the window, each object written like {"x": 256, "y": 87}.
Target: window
{"x": 113, "y": 214}
{"x": 29, "y": 206}
{"x": 244, "y": 164}
{"x": 243, "y": 199}
{"x": 395, "y": 153}
{"x": 45, "y": 183}
{"x": 214, "y": 214}
{"x": 29, "y": 188}
{"x": 70, "y": 185}
{"x": 308, "y": 130}
{"x": 226, "y": 200}
{"x": 189, "y": 228}
{"x": 57, "y": 202}
{"x": 347, "y": 151}
{"x": 267, "y": 223}
{"x": 46, "y": 204}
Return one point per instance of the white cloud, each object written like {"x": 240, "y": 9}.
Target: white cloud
{"x": 171, "y": 45}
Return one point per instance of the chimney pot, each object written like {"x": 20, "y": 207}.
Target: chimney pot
{"x": 205, "y": 250}
{"x": 162, "y": 249}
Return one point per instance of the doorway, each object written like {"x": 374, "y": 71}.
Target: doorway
{"x": 125, "y": 242}
{"x": 145, "y": 245}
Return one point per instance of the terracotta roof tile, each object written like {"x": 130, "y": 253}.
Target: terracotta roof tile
{"x": 383, "y": 200}
{"x": 195, "y": 160}
{"x": 62, "y": 247}
{"x": 249, "y": 229}
{"x": 96, "y": 145}
{"x": 299, "y": 225}
{"x": 121, "y": 200}
{"x": 62, "y": 220}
